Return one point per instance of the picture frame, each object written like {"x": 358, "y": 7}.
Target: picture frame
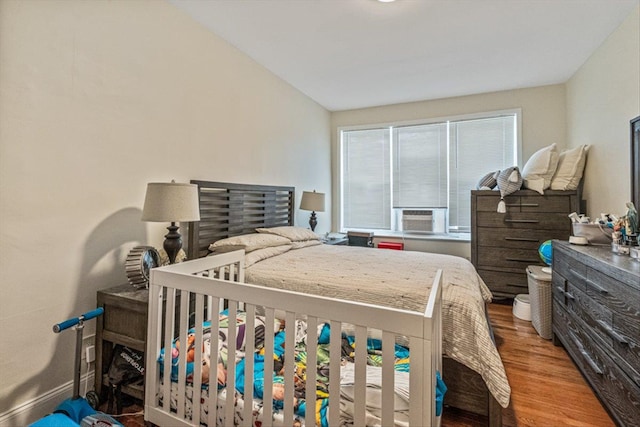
{"x": 635, "y": 162}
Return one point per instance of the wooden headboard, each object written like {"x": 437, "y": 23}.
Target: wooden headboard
{"x": 228, "y": 209}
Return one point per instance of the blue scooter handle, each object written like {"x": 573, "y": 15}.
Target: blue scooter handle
{"x": 59, "y": 327}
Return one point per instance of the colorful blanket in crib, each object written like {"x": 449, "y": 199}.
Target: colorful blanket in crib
{"x": 320, "y": 406}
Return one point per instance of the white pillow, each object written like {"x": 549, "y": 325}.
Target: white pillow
{"x": 295, "y": 234}
{"x": 248, "y": 242}
{"x": 570, "y": 168}
{"x": 539, "y": 169}
{"x": 305, "y": 244}
{"x": 260, "y": 254}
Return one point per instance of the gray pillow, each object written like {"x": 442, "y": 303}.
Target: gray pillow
{"x": 489, "y": 181}
{"x": 509, "y": 181}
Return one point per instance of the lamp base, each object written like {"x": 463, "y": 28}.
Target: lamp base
{"x": 313, "y": 221}
{"x": 172, "y": 242}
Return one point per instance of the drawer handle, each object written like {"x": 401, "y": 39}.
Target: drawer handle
{"x": 612, "y": 333}
{"x": 591, "y": 362}
{"x": 522, "y": 239}
{"x": 565, "y": 293}
{"x": 597, "y": 287}
{"x": 577, "y": 275}
{"x": 522, "y": 259}
{"x": 586, "y": 355}
{"x": 529, "y": 205}
{"x": 523, "y": 221}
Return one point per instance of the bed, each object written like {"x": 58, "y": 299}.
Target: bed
{"x": 472, "y": 368}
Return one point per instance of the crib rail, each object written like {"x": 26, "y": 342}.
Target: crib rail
{"x": 204, "y": 286}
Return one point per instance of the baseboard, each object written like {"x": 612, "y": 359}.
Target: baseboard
{"x": 42, "y": 405}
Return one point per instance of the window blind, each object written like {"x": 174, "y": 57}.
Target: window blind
{"x": 428, "y": 165}
{"x": 366, "y": 179}
{"x": 477, "y": 147}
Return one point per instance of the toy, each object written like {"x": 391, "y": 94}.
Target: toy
{"x": 77, "y": 411}
{"x": 509, "y": 181}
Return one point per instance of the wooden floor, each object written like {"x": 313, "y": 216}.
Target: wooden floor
{"x": 546, "y": 388}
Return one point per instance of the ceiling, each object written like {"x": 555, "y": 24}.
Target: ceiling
{"x": 348, "y": 54}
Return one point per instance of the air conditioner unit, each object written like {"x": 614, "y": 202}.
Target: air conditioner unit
{"x": 431, "y": 220}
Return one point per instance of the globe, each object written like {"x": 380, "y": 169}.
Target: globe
{"x": 546, "y": 252}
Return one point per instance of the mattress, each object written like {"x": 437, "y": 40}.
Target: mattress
{"x": 399, "y": 279}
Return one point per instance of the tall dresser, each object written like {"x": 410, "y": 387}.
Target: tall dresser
{"x": 596, "y": 316}
{"x": 504, "y": 244}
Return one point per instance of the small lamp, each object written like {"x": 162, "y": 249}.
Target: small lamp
{"x": 171, "y": 202}
{"x": 312, "y": 201}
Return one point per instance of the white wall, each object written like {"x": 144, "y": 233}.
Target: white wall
{"x": 97, "y": 98}
{"x": 602, "y": 97}
{"x": 543, "y": 123}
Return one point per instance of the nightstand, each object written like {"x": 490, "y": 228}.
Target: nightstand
{"x": 124, "y": 322}
{"x": 342, "y": 241}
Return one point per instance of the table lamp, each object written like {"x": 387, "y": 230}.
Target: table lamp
{"x": 312, "y": 201}
{"x": 171, "y": 202}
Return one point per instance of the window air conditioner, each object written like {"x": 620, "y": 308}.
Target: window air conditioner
{"x": 431, "y": 220}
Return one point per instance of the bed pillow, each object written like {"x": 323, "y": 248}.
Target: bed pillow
{"x": 260, "y": 254}
{"x": 305, "y": 244}
{"x": 248, "y": 242}
{"x": 539, "y": 169}
{"x": 295, "y": 234}
{"x": 570, "y": 168}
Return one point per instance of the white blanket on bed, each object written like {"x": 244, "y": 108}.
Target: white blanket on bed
{"x": 400, "y": 279}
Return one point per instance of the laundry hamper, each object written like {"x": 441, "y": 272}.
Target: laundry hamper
{"x": 540, "y": 296}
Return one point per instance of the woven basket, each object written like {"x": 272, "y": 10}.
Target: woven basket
{"x": 540, "y": 295}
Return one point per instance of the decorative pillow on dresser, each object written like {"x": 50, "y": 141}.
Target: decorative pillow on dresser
{"x": 539, "y": 169}
{"x": 570, "y": 168}
{"x": 489, "y": 181}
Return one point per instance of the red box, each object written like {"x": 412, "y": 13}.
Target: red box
{"x": 391, "y": 245}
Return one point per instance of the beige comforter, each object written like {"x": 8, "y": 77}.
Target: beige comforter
{"x": 400, "y": 279}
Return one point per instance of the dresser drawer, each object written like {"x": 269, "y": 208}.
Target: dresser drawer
{"x": 501, "y": 282}
{"x": 560, "y": 204}
{"x": 525, "y": 203}
{"x": 613, "y": 294}
{"x": 508, "y": 259}
{"x": 527, "y": 220}
{"x": 620, "y": 392}
{"x": 489, "y": 202}
{"x": 517, "y": 238}
{"x": 568, "y": 267}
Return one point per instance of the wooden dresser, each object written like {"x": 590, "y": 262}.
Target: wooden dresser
{"x": 596, "y": 316}
{"x": 504, "y": 244}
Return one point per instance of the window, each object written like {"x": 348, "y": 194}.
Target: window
{"x": 421, "y": 165}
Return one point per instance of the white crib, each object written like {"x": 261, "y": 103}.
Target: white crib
{"x": 203, "y": 285}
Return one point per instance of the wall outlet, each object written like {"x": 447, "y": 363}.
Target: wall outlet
{"x": 90, "y": 353}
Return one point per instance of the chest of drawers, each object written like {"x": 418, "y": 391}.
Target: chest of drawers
{"x": 596, "y": 316}
{"x": 504, "y": 244}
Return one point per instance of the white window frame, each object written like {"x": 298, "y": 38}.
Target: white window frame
{"x": 471, "y": 116}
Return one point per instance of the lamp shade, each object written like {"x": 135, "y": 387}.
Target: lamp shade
{"x": 171, "y": 202}
{"x": 312, "y": 201}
